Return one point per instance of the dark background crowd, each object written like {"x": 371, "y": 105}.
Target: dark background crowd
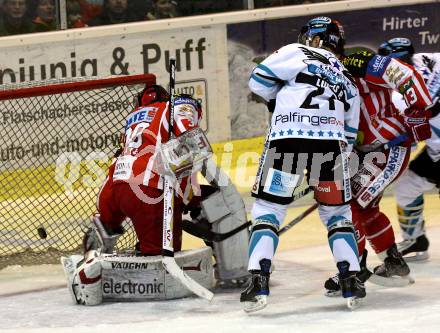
{"x": 26, "y": 16}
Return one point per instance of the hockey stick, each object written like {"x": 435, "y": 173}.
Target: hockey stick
{"x": 398, "y": 139}
{"x": 168, "y": 261}
{"x": 298, "y": 219}
{"x": 199, "y": 231}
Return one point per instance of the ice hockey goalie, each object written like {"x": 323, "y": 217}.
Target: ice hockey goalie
{"x": 133, "y": 189}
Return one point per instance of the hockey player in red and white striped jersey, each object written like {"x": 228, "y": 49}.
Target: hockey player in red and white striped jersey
{"x": 423, "y": 172}
{"x": 382, "y": 145}
{"x": 133, "y": 187}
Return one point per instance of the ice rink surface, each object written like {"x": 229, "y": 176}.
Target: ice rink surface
{"x": 296, "y": 303}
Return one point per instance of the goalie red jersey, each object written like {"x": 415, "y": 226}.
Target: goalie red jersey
{"x": 133, "y": 185}
{"x": 147, "y": 127}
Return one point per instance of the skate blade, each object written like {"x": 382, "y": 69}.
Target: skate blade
{"x": 354, "y": 302}
{"x": 256, "y": 306}
{"x": 391, "y": 282}
{"x": 417, "y": 256}
{"x": 332, "y": 293}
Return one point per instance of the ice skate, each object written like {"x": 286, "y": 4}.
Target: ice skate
{"x": 414, "y": 249}
{"x": 394, "y": 272}
{"x": 255, "y": 295}
{"x": 352, "y": 288}
{"x": 332, "y": 287}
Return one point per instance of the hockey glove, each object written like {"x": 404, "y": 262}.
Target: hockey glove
{"x": 417, "y": 124}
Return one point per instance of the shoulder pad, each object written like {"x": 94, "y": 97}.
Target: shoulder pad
{"x": 357, "y": 63}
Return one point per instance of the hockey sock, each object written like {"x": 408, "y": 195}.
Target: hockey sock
{"x": 379, "y": 233}
{"x": 342, "y": 241}
{"x": 360, "y": 237}
{"x": 264, "y": 240}
{"x": 267, "y": 218}
{"x": 411, "y": 218}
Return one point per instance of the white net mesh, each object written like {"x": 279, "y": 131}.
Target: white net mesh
{"x": 54, "y": 155}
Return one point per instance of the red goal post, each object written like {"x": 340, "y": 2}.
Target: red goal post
{"x": 58, "y": 138}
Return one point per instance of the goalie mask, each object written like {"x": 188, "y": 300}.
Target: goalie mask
{"x": 151, "y": 94}
{"x": 330, "y": 32}
{"x": 186, "y": 107}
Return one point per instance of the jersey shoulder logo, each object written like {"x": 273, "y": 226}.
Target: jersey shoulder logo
{"x": 312, "y": 55}
{"x": 377, "y": 65}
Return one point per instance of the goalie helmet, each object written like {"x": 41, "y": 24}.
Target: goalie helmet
{"x": 151, "y": 94}
{"x": 400, "y": 48}
{"x": 188, "y": 107}
{"x": 330, "y": 32}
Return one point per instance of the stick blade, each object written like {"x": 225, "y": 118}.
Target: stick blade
{"x": 171, "y": 267}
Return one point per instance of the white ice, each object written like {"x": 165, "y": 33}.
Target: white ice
{"x": 296, "y": 303}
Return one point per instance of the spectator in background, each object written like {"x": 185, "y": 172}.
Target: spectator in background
{"x": 162, "y": 9}
{"x": 45, "y": 19}
{"x": 275, "y": 3}
{"x": 91, "y": 9}
{"x": 14, "y": 19}
{"x": 201, "y": 7}
{"x": 74, "y": 14}
{"x": 115, "y": 11}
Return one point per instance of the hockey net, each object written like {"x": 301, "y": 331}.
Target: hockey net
{"x": 57, "y": 141}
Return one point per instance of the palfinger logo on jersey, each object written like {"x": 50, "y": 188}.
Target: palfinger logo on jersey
{"x": 295, "y": 117}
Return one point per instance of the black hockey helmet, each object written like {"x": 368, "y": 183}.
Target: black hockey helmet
{"x": 400, "y": 48}
{"x": 329, "y": 31}
{"x": 151, "y": 94}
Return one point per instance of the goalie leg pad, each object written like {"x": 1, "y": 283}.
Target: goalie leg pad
{"x": 225, "y": 210}
{"x": 129, "y": 278}
{"x": 112, "y": 277}
{"x": 84, "y": 278}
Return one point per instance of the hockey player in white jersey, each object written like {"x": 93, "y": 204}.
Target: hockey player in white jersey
{"x": 314, "y": 121}
{"x": 423, "y": 173}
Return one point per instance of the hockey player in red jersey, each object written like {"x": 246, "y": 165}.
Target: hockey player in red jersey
{"x": 423, "y": 173}
{"x": 382, "y": 145}
{"x": 133, "y": 187}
